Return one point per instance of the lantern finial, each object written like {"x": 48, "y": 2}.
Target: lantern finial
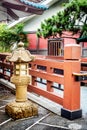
{"x": 20, "y": 44}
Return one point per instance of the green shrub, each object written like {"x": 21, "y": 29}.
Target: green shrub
{"x": 11, "y": 35}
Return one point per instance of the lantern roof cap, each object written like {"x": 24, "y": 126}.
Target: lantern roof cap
{"x": 20, "y": 54}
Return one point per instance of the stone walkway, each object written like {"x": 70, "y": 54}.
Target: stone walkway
{"x": 45, "y": 120}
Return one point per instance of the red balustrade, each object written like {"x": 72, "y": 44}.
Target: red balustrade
{"x": 57, "y": 70}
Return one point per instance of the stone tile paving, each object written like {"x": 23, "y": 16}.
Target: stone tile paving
{"x": 45, "y": 119}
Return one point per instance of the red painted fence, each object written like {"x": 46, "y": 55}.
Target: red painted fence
{"x": 46, "y": 69}
{"x": 57, "y": 70}
{"x": 6, "y": 68}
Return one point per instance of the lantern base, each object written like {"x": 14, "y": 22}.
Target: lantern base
{"x": 18, "y": 110}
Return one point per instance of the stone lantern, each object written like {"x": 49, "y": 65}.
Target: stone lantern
{"x": 21, "y": 107}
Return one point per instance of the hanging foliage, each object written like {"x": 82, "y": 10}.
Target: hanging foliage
{"x": 73, "y": 18}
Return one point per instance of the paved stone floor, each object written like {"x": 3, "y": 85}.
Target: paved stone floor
{"x": 45, "y": 119}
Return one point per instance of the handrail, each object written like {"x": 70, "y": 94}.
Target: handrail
{"x": 54, "y": 70}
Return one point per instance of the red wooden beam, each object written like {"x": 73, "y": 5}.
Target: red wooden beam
{"x": 49, "y": 95}
{"x": 50, "y": 63}
{"x": 48, "y": 76}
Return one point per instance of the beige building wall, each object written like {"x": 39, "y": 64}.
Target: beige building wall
{"x": 34, "y": 23}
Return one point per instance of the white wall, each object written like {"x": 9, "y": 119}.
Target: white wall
{"x": 34, "y": 23}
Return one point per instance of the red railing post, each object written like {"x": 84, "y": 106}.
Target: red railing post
{"x": 49, "y": 83}
{"x": 33, "y": 78}
{"x": 71, "y": 102}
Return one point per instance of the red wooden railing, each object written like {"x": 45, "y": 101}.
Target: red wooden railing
{"x": 50, "y": 71}
{"x": 84, "y": 64}
{"x": 6, "y": 68}
{"x": 53, "y": 69}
